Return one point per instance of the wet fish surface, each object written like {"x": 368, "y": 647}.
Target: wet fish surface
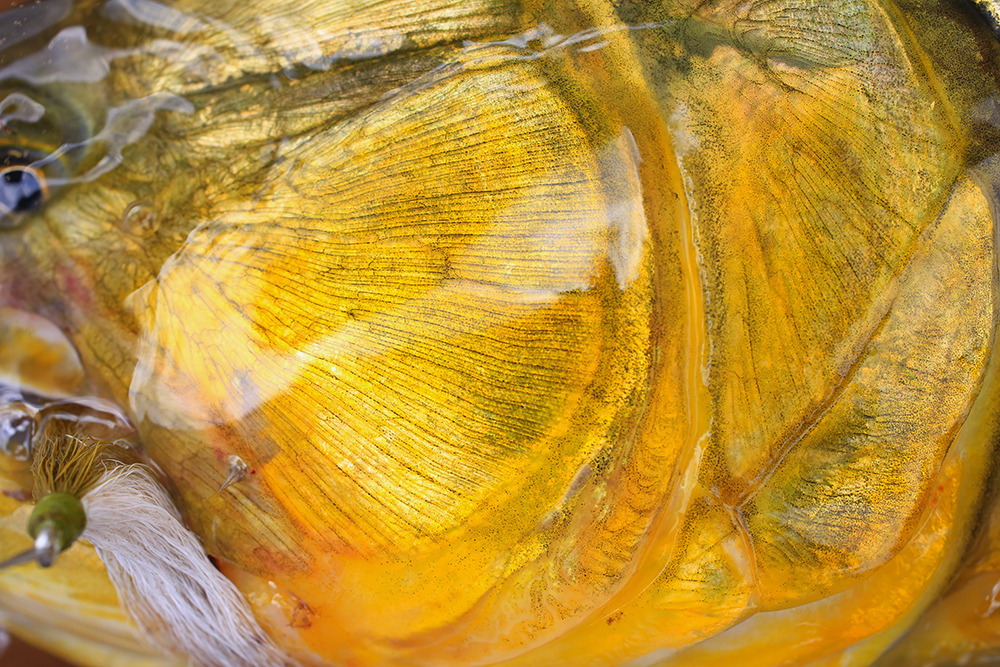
{"x": 502, "y": 332}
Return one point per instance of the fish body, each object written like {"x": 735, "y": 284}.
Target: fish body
{"x": 520, "y": 333}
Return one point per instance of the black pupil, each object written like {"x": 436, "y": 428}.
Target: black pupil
{"x": 20, "y": 190}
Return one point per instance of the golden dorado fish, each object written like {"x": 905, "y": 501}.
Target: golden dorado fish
{"x": 368, "y": 333}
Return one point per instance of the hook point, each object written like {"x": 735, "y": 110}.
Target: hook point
{"x": 44, "y": 551}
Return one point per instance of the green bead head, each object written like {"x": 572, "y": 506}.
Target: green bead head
{"x": 61, "y": 516}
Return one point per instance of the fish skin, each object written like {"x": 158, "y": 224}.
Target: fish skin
{"x": 375, "y": 251}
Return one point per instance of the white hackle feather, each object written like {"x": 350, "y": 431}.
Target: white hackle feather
{"x": 164, "y": 579}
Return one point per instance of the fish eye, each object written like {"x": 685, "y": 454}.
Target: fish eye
{"x": 22, "y": 188}
{"x": 35, "y": 123}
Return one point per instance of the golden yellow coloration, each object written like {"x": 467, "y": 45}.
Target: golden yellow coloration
{"x": 540, "y": 333}
{"x": 34, "y": 353}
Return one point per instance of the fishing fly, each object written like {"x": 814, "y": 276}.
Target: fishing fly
{"x": 97, "y": 490}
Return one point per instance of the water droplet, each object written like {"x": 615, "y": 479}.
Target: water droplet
{"x": 15, "y": 436}
{"x": 140, "y": 218}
